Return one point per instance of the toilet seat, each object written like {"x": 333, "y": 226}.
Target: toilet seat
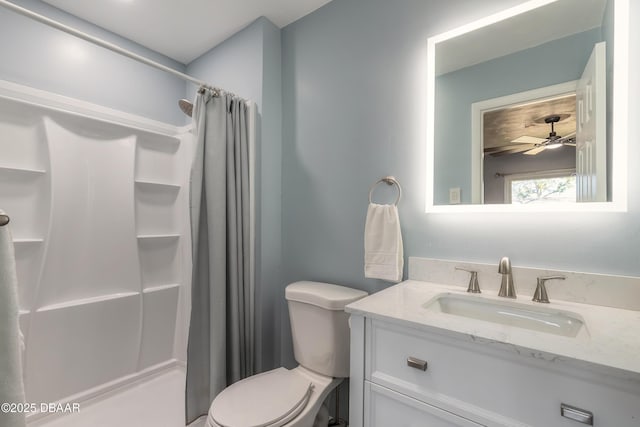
{"x": 270, "y": 399}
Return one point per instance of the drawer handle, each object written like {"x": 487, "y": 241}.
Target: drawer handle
{"x": 414, "y": 362}
{"x": 576, "y": 414}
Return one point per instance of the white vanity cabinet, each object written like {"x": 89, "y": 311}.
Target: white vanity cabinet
{"x": 470, "y": 381}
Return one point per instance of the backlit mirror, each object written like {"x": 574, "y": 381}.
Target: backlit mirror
{"x": 527, "y": 109}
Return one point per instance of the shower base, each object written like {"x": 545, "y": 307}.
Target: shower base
{"x": 157, "y": 400}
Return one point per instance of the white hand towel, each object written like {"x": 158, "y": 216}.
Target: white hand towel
{"x": 383, "y": 254}
{"x": 11, "y": 385}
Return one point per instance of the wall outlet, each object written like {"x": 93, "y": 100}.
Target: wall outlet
{"x": 454, "y": 196}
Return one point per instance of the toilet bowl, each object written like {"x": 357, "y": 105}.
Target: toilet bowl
{"x": 276, "y": 398}
{"x": 293, "y": 398}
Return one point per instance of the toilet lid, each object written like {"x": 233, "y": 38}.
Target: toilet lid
{"x": 270, "y": 399}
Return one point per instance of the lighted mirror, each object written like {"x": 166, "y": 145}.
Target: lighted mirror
{"x": 528, "y": 110}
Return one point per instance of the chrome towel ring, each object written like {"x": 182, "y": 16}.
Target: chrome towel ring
{"x": 389, "y": 180}
{"x": 4, "y": 219}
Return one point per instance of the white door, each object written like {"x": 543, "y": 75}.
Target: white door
{"x": 591, "y": 129}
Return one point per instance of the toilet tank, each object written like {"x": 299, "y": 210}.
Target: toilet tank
{"x": 320, "y": 326}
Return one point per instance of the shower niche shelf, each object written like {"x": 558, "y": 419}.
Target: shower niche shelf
{"x": 161, "y": 288}
{"x": 158, "y": 236}
{"x": 156, "y": 184}
{"x": 27, "y": 241}
{"x": 25, "y": 171}
{"x": 24, "y": 195}
{"x": 84, "y": 301}
{"x": 159, "y": 260}
{"x": 24, "y": 185}
{"x": 158, "y": 160}
{"x": 156, "y": 208}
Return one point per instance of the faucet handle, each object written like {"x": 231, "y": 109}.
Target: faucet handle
{"x": 474, "y": 286}
{"x": 540, "y": 295}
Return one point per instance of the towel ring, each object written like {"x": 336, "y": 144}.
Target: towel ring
{"x": 389, "y": 180}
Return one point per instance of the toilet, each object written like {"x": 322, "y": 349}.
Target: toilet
{"x": 294, "y": 398}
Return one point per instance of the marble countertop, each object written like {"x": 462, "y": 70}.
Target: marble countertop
{"x": 609, "y": 339}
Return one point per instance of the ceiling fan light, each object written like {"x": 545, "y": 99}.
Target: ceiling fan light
{"x": 553, "y": 146}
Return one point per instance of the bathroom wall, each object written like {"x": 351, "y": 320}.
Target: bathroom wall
{"x": 248, "y": 64}
{"x": 354, "y": 91}
{"x": 44, "y": 58}
{"x": 551, "y": 63}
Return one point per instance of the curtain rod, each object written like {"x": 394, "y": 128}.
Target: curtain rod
{"x": 504, "y": 175}
{"x": 97, "y": 41}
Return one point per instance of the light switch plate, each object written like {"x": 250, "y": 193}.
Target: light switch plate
{"x": 454, "y": 196}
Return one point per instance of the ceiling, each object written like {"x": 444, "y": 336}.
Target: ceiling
{"x": 184, "y": 30}
{"x": 534, "y": 28}
{"x": 503, "y": 125}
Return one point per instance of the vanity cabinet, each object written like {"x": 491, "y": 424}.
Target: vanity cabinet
{"x": 470, "y": 381}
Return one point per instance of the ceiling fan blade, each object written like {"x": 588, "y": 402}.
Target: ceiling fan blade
{"x": 501, "y": 148}
{"x": 535, "y": 150}
{"x": 512, "y": 150}
{"x": 528, "y": 140}
{"x": 566, "y": 140}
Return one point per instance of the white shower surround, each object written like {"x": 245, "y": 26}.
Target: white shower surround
{"x": 98, "y": 201}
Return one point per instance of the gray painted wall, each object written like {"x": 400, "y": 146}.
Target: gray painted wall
{"x": 44, "y": 58}
{"x": 270, "y": 172}
{"x": 551, "y": 63}
{"x": 248, "y": 64}
{"x": 235, "y": 64}
{"x": 354, "y": 110}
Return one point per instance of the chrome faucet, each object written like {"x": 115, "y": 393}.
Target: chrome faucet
{"x": 507, "y": 287}
{"x": 540, "y": 295}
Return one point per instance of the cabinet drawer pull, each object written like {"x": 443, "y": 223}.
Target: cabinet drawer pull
{"x": 576, "y": 414}
{"x": 414, "y": 362}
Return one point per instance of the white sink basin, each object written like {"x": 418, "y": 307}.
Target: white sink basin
{"x": 536, "y": 318}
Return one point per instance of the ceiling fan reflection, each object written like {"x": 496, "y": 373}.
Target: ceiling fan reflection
{"x": 531, "y": 145}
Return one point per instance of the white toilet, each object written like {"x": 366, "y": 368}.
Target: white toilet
{"x": 293, "y": 398}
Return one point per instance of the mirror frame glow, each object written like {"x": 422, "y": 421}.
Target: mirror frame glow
{"x": 620, "y": 118}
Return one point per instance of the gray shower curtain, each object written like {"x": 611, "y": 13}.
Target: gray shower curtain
{"x": 221, "y": 331}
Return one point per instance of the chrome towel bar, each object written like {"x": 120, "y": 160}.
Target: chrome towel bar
{"x": 389, "y": 180}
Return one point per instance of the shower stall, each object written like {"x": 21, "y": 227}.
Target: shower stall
{"x": 98, "y": 201}
{"x": 99, "y": 208}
